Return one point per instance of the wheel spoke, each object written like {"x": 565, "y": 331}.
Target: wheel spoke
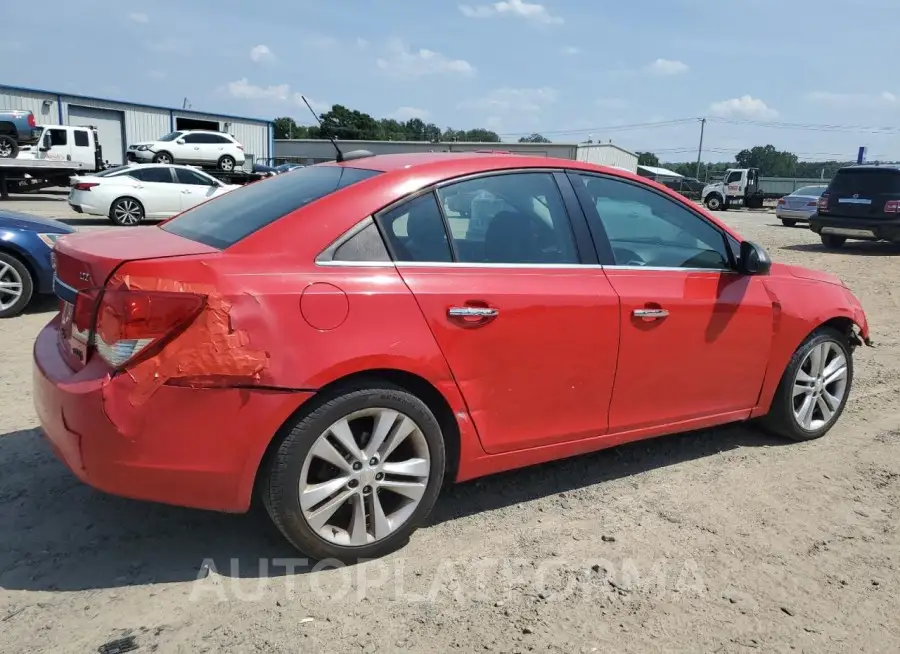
{"x": 827, "y": 412}
{"x": 342, "y": 432}
{"x": 315, "y": 494}
{"x": 324, "y": 450}
{"x": 399, "y": 435}
{"x": 380, "y": 523}
{"x": 409, "y": 468}
{"x": 830, "y": 401}
{"x": 414, "y": 490}
{"x": 10, "y": 288}
{"x": 4, "y": 270}
{"x": 359, "y": 534}
{"x": 320, "y": 516}
{"x": 804, "y": 415}
{"x": 383, "y": 424}
{"x": 816, "y": 360}
{"x": 802, "y": 388}
{"x": 804, "y": 378}
{"x": 835, "y": 371}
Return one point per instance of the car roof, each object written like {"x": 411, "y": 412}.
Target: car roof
{"x": 871, "y": 167}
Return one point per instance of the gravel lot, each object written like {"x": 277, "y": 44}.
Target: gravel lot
{"x": 716, "y": 541}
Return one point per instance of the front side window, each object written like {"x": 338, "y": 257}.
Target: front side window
{"x": 645, "y": 228}
{"x": 171, "y": 137}
{"x": 58, "y": 137}
{"x": 516, "y": 218}
{"x": 735, "y": 176}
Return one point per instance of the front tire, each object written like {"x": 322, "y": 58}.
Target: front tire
{"x": 126, "y": 212}
{"x": 163, "y": 158}
{"x": 356, "y": 476}
{"x": 814, "y": 388}
{"x": 833, "y": 241}
{"x": 16, "y": 286}
{"x": 714, "y": 203}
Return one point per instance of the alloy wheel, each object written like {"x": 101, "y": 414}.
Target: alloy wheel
{"x": 11, "y": 286}
{"x": 819, "y": 386}
{"x": 5, "y": 150}
{"x": 364, "y": 477}
{"x": 127, "y": 212}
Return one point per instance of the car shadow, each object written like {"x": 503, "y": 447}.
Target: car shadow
{"x": 859, "y": 248}
{"x": 61, "y": 535}
{"x": 42, "y": 304}
{"x": 98, "y": 222}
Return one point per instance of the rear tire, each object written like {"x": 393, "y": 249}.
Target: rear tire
{"x": 832, "y": 241}
{"x": 787, "y": 222}
{"x": 293, "y": 467}
{"x": 14, "y": 278}
{"x": 803, "y": 380}
{"x": 126, "y": 212}
{"x": 163, "y": 158}
{"x": 9, "y": 147}
{"x": 226, "y": 163}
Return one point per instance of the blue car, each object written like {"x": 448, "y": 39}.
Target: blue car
{"x": 25, "y": 267}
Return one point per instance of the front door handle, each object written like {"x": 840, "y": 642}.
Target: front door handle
{"x": 650, "y": 314}
{"x": 472, "y": 312}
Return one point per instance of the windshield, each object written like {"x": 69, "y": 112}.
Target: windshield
{"x": 170, "y": 137}
{"x": 814, "y": 191}
{"x": 224, "y": 221}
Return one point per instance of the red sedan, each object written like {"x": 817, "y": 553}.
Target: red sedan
{"x": 344, "y": 338}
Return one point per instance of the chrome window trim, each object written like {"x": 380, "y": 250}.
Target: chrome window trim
{"x": 516, "y": 266}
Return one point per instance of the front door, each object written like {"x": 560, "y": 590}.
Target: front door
{"x": 159, "y": 193}
{"x": 695, "y": 333}
{"x": 195, "y": 187}
{"x": 530, "y": 334}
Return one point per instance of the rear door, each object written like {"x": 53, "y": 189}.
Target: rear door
{"x": 863, "y": 192}
{"x": 157, "y": 191}
{"x": 528, "y": 326}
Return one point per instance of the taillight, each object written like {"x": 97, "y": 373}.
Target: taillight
{"x": 85, "y": 186}
{"x": 31, "y": 122}
{"x": 780, "y": 200}
{"x": 822, "y": 204}
{"x": 812, "y": 203}
{"x": 892, "y": 206}
{"x": 134, "y": 324}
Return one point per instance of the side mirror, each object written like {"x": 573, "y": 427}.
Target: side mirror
{"x": 45, "y": 143}
{"x": 754, "y": 259}
{"x": 180, "y": 141}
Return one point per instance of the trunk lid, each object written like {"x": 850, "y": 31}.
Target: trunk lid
{"x": 863, "y": 192}
{"x": 798, "y": 202}
{"x": 84, "y": 262}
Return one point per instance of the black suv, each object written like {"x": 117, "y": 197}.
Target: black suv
{"x": 861, "y": 203}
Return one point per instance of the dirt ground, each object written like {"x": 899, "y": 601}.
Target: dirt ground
{"x": 716, "y": 541}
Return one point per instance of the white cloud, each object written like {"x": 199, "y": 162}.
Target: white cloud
{"x": 744, "y": 107}
{"x": 138, "y": 17}
{"x": 261, "y": 54}
{"x": 569, "y": 50}
{"x": 667, "y": 67}
{"x": 853, "y": 99}
{"x": 318, "y": 107}
{"x": 404, "y": 63}
{"x": 244, "y": 90}
{"x": 361, "y": 43}
{"x": 408, "y": 113}
{"x": 529, "y": 101}
{"x": 512, "y": 8}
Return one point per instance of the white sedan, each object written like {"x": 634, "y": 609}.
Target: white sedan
{"x": 129, "y": 194}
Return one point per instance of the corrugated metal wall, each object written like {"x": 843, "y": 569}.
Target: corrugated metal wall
{"x": 141, "y": 123}
{"x": 606, "y": 154}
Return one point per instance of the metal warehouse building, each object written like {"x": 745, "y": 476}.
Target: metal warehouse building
{"x": 120, "y": 123}
{"x": 309, "y": 151}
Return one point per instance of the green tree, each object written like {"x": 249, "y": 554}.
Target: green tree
{"x": 770, "y": 161}
{"x": 534, "y": 138}
{"x": 648, "y": 159}
{"x": 285, "y": 128}
{"x": 348, "y": 124}
{"x": 480, "y": 135}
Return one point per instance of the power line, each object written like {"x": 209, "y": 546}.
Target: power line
{"x": 814, "y": 127}
{"x": 610, "y": 128}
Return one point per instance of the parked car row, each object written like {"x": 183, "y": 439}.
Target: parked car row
{"x": 196, "y": 147}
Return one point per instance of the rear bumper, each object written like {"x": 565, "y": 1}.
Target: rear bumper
{"x": 792, "y": 214}
{"x": 190, "y": 447}
{"x": 860, "y": 228}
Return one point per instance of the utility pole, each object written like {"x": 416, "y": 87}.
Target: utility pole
{"x": 700, "y": 149}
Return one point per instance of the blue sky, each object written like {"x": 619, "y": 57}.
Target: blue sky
{"x": 565, "y": 68}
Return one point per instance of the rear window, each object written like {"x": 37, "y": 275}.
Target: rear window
{"x": 231, "y": 217}
{"x": 865, "y": 181}
{"x": 809, "y": 191}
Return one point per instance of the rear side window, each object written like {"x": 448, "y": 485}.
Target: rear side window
{"x": 865, "y": 181}
{"x": 81, "y": 138}
{"x": 232, "y": 217}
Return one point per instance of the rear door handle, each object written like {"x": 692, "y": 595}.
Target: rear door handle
{"x": 650, "y": 313}
{"x": 472, "y": 312}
